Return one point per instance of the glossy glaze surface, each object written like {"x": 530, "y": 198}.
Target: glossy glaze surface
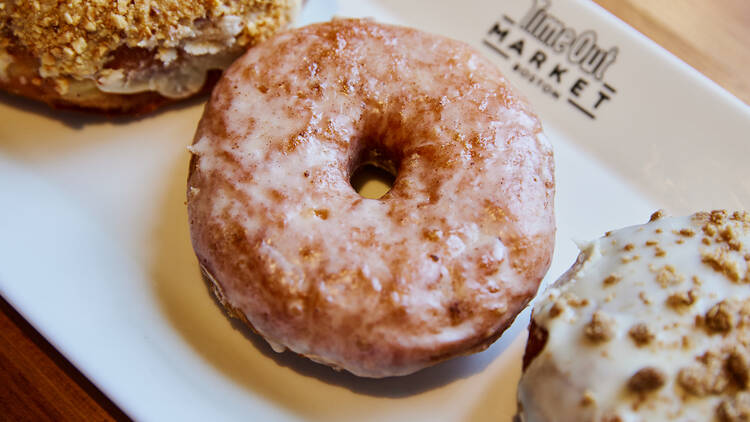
{"x": 437, "y": 267}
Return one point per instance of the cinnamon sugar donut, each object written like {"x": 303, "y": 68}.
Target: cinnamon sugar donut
{"x": 652, "y": 323}
{"x": 126, "y": 57}
{"x": 439, "y": 266}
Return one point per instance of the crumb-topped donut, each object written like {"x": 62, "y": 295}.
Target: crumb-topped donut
{"x": 126, "y": 57}
{"x": 437, "y": 267}
{"x": 652, "y": 323}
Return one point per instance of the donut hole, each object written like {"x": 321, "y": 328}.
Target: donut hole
{"x": 372, "y": 181}
{"x": 373, "y": 174}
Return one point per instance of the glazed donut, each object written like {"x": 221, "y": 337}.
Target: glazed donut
{"x": 437, "y": 267}
{"x": 652, "y": 323}
{"x": 126, "y": 57}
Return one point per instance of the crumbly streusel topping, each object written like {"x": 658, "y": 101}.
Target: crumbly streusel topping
{"x": 77, "y": 37}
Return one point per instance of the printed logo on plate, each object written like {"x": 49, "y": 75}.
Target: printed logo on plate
{"x": 566, "y": 63}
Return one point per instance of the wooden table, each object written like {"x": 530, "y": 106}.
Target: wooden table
{"x": 711, "y": 36}
{"x": 37, "y": 383}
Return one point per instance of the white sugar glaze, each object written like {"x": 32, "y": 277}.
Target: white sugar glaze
{"x": 437, "y": 267}
{"x": 667, "y": 275}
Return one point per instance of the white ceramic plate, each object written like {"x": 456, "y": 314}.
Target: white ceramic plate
{"x": 94, "y": 247}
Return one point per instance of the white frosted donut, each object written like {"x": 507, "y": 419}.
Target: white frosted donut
{"x": 652, "y": 323}
{"x": 437, "y": 267}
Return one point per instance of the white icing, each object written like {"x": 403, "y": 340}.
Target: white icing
{"x": 172, "y": 82}
{"x": 284, "y": 139}
{"x": 554, "y": 384}
{"x": 166, "y": 55}
{"x": 275, "y": 346}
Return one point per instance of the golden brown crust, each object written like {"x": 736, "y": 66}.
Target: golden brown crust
{"x": 122, "y": 57}
{"x": 535, "y": 343}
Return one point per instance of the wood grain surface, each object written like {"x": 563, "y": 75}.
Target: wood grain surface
{"x": 37, "y": 383}
{"x": 713, "y": 36}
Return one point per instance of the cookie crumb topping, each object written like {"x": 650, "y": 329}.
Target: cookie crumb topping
{"x": 600, "y": 328}
{"x": 646, "y": 380}
{"x": 720, "y": 318}
{"x": 667, "y": 276}
{"x": 737, "y": 365}
{"x": 77, "y": 40}
{"x": 707, "y": 377}
{"x": 588, "y": 399}
{"x": 611, "y": 279}
{"x": 734, "y": 409}
{"x": 681, "y": 299}
{"x": 672, "y": 327}
{"x": 657, "y": 215}
{"x": 640, "y": 334}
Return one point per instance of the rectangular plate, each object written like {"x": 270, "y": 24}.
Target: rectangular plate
{"x": 95, "y": 251}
